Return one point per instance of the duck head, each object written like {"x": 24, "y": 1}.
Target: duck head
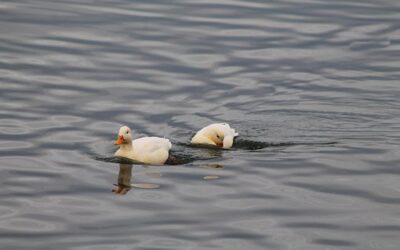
{"x": 124, "y": 136}
{"x": 216, "y": 135}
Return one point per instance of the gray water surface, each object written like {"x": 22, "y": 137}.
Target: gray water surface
{"x": 312, "y": 86}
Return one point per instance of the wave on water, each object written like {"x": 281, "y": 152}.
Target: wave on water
{"x": 185, "y": 153}
{"x": 256, "y": 145}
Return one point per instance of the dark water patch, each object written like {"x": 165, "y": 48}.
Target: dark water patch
{"x": 335, "y": 243}
{"x": 314, "y": 225}
{"x": 188, "y": 153}
{"x": 200, "y": 151}
{"x": 369, "y": 44}
{"x": 246, "y": 144}
{"x": 176, "y": 158}
{"x": 256, "y": 145}
{"x": 116, "y": 159}
{"x": 22, "y": 153}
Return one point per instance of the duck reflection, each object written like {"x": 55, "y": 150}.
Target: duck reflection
{"x": 124, "y": 183}
{"x": 124, "y": 179}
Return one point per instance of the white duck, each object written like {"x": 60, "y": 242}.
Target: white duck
{"x": 149, "y": 150}
{"x": 218, "y": 134}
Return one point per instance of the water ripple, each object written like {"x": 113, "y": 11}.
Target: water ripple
{"x": 311, "y": 86}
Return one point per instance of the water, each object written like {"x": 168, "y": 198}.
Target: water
{"x": 312, "y": 86}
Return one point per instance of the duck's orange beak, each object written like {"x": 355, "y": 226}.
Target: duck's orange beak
{"x": 120, "y": 140}
{"x": 220, "y": 144}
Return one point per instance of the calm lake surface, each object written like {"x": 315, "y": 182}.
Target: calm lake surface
{"x": 312, "y": 86}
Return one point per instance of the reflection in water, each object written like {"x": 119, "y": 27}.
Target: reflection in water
{"x": 124, "y": 183}
{"x": 145, "y": 185}
{"x": 215, "y": 166}
{"x": 211, "y": 177}
{"x": 124, "y": 179}
{"x": 154, "y": 174}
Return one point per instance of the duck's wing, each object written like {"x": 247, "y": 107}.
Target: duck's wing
{"x": 150, "y": 144}
{"x": 228, "y": 131}
{"x": 200, "y": 138}
{"x": 152, "y": 150}
{"x": 234, "y": 132}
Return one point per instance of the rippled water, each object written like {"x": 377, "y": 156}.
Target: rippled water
{"x": 312, "y": 86}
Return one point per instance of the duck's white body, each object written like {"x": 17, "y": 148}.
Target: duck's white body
{"x": 149, "y": 150}
{"x": 218, "y": 134}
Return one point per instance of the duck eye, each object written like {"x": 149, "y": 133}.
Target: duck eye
{"x": 127, "y": 132}
{"x": 218, "y": 136}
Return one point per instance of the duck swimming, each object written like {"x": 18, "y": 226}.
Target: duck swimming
{"x": 149, "y": 150}
{"x": 217, "y": 134}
